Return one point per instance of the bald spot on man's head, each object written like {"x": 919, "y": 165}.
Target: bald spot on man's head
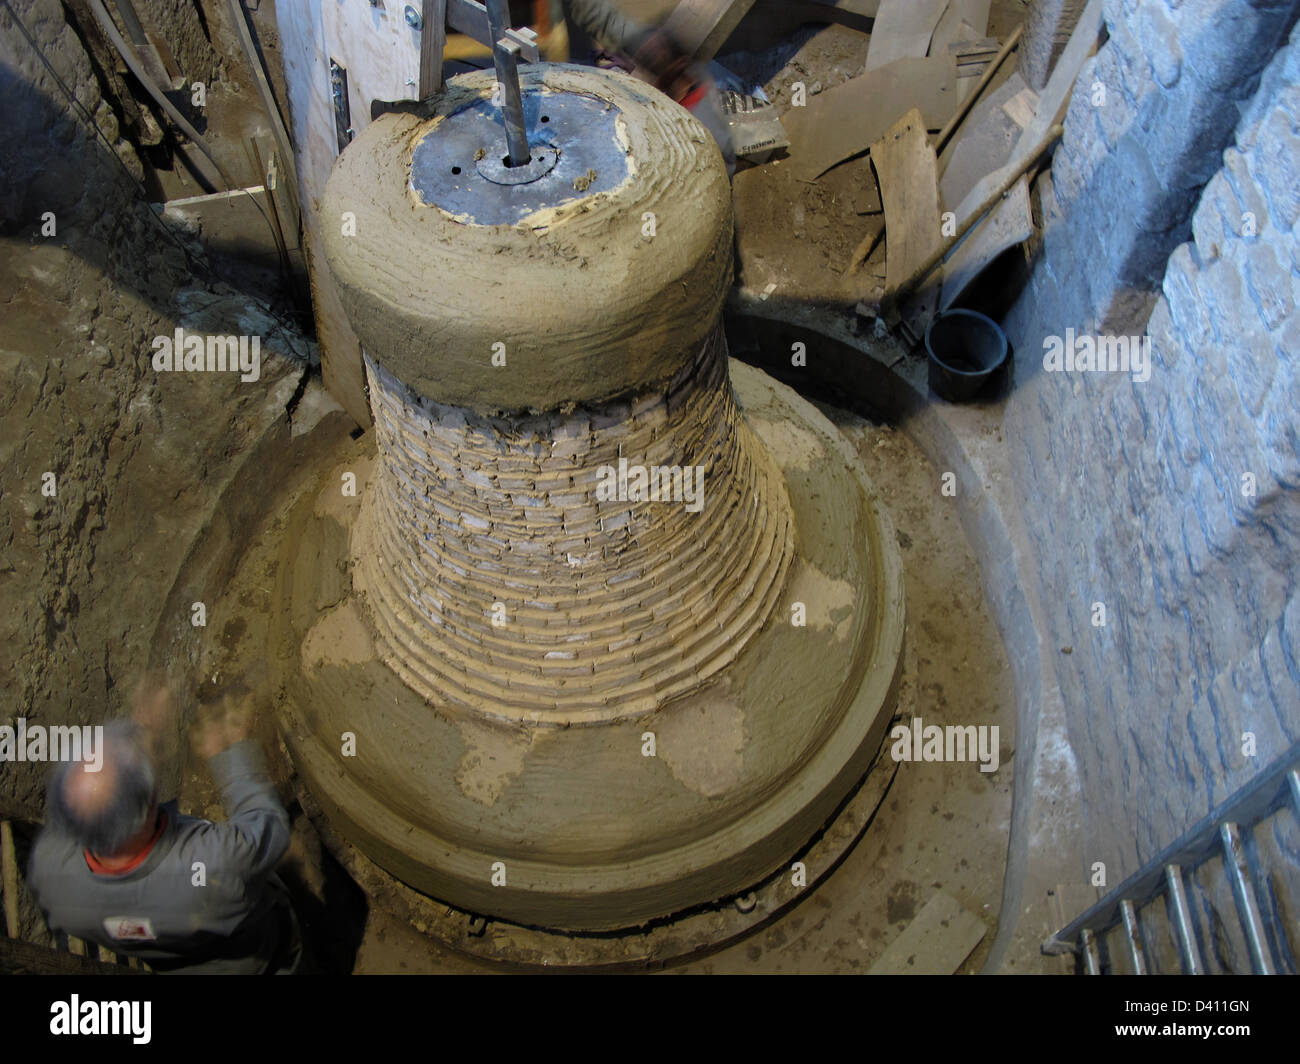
{"x": 88, "y": 792}
{"x": 107, "y": 808}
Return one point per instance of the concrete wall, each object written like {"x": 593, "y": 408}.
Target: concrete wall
{"x": 1134, "y": 490}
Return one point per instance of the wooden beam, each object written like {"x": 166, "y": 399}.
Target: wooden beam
{"x": 25, "y": 958}
{"x": 9, "y": 872}
{"x": 433, "y": 41}
{"x": 278, "y": 129}
{"x": 902, "y": 31}
{"x": 969, "y": 102}
{"x": 1008, "y": 176}
{"x": 909, "y": 187}
{"x": 846, "y": 120}
{"x": 858, "y": 15}
{"x": 470, "y": 18}
{"x": 1051, "y": 108}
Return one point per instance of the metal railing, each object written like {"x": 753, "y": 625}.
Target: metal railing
{"x": 1219, "y": 834}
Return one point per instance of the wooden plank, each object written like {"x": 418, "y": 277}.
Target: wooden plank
{"x": 903, "y": 30}
{"x": 701, "y": 27}
{"x": 144, "y": 45}
{"x": 846, "y": 120}
{"x": 380, "y": 51}
{"x": 1052, "y": 103}
{"x": 983, "y": 143}
{"x": 974, "y": 14}
{"x": 278, "y": 129}
{"x": 432, "y": 42}
{"x": 25, "y": 958}
{"x": 909, "y": 187}
{"x": 9, "y": 877}
{"x": 382, "y": 56}
{"x": 965, "y": 21}
{"x": 937, "y": 941}
{"x": 1010, "y": 223}
{"x": 858, "y": 15}
{"x": 1032, "y": 159}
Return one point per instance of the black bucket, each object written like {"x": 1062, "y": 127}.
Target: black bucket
{"x": 965, "y": 350}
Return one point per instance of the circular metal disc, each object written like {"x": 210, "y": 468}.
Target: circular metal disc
{"x": 460, "y": 164}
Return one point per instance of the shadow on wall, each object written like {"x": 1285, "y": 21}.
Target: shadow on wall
{"x": 90, "y": 279}
{"x": 71, "y": 179}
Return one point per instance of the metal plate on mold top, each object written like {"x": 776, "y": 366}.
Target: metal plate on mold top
{"x": 459, "y": 165}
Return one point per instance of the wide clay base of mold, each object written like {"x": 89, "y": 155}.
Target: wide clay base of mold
{"x": 576, "y": 829}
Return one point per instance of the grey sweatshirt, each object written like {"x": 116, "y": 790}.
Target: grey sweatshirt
{"x": 200, "y": 901}
{"x": 604, "y": 23}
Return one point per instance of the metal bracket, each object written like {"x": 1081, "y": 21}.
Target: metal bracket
{"x": 342, "y": 108}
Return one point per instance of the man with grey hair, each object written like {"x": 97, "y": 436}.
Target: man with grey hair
{"x": 114, "y": 867}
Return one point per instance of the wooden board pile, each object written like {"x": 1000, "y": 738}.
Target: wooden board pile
{"x": 952, "y": 150}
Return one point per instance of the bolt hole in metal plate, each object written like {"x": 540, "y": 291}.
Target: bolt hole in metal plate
{"x": 576, "y": 151}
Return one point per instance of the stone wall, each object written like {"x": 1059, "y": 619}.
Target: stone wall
{"x": 1172, "y": 500}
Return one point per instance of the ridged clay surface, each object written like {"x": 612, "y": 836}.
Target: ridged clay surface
{"x": 588, "y": 306}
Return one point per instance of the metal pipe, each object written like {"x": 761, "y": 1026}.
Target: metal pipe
{"x": 1088, "y": 947}
{"x": 505, "y": 56}
{"x": 1234, "y": 859}
{"x": 1133, "y": 933}
{"x": 1187, "y": 950}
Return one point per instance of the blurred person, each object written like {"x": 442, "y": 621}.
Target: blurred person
{"x": 655, "y": 57}
{"x": 115, "y": 867}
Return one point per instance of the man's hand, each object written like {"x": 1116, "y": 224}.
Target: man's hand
{"x": 153, "y": 709}
{"x": 223, "y": 724}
